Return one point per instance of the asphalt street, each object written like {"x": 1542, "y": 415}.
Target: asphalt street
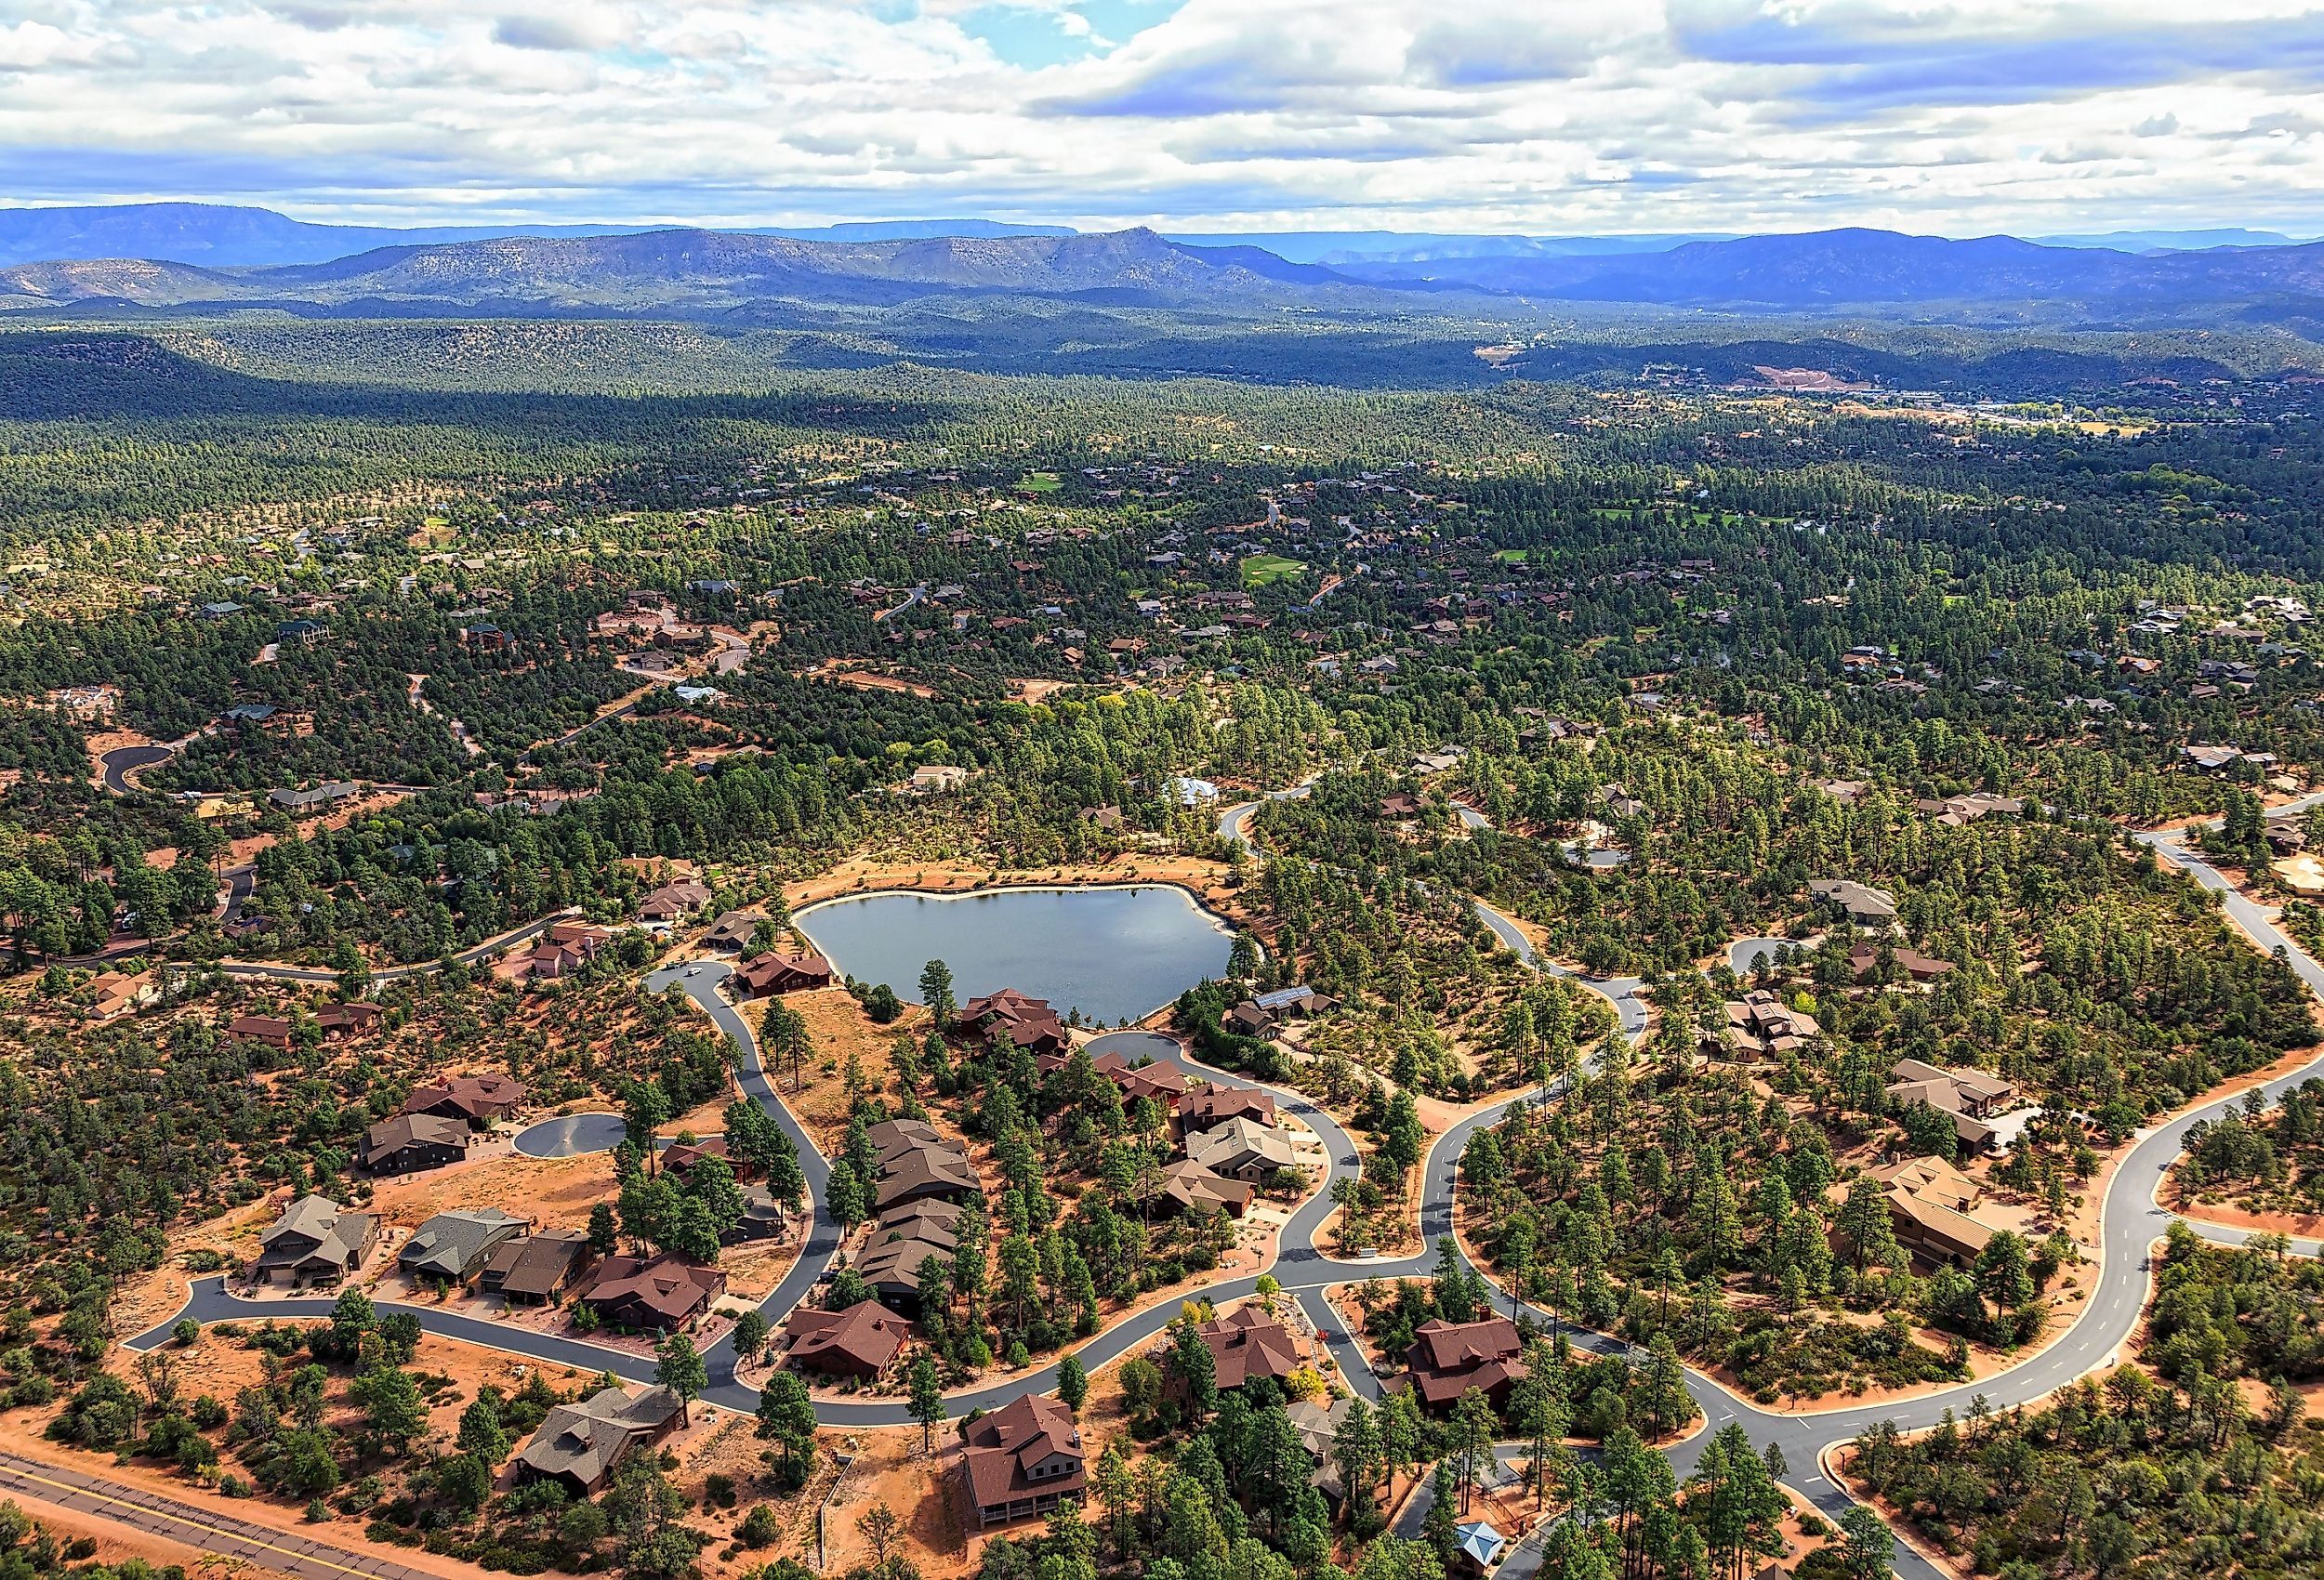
{"x": 2097, "y": 1339}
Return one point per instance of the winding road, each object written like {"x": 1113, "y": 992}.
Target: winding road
{"x": 2098, "y": 1338}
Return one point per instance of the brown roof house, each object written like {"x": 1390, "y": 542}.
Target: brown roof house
{"x": 1249, "y": 1343}
{"x": 733, "y": 931}
{"x": 1160, "y": 1082}
{"x": 274, "y": 1031}
{"x": 411, "y": 1142}
{"x": 1210, "y": 1105}
{"x": 903, "y": 1239}
{"x": 1242, "y": 1149}
{"x": 315, "y": 1241}
{"x": 1761, "y": 1025}
{"x": 1969, "y": 1096}
{"x": 1009, "y": 1018}
{"x": 1864, "y": 958}
{"x": 578, "y": 1445}
{"x": 534, "y": 1270}
{"x": 1193, "y": 1188}
{"x": 918, "y": 1164}
{"x": 1871, "y": 909}
{"x": 673, "y": 901}
{"x": 116, "y": 993}
{"x": 763, "y": 976}
{"x": 1930, "y": 1206}
{"x": 661, "y": 1294}
{"x": 337, "y": 1020}
{"x": 477, "y": 1101}
{"x": 858, "y": 1342}
{"x": 564, "y": 949}
{"x": 1448, "y": 1359}
{"x": 1020, "y": 1462}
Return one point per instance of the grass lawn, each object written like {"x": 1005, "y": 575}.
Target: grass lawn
{"x": 1261, "y": 568}
{"x": 1040, "y": 482}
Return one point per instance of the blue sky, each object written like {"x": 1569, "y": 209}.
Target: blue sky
{"x": 1546, "y": 116}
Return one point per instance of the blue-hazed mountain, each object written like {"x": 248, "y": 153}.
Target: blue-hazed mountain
{"x": 219, "y": 236}
{"x": 745, "y": 279}
{"x": 699, "y": 273}
{"x": 1866, "y": 268}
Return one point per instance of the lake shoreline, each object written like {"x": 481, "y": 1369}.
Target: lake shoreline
{"x": 1095, "y": 955}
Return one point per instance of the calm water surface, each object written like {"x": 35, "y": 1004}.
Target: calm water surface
{"x": 1113, "y": 954}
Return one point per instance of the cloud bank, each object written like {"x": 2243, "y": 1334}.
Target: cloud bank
{"x": 1957, "y": 116}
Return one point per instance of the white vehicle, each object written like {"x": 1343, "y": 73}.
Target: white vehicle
{"x": 693, "y": 971}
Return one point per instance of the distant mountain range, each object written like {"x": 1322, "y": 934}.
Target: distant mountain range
{"x": 754, "y": 277}
{"x": 219, "y": 237}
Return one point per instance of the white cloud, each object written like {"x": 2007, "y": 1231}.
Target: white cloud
{"x": 1546, "y": 115}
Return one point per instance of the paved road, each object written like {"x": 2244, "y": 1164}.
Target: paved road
{"x": 260, "y": 970}
{"x": 123, "y": 761}
{"x": 2097, "y": 1339}
{"x": 571, "y": 1134}
{"x": 204, "y": 1530}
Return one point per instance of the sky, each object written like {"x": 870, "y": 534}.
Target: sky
{"x": 1543, "y": 116}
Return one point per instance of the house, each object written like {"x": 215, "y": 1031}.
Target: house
{"x": 1930, "y": 1206}
{"x": 484, "y": 637}
{"x": 412, "y": 1142}
{"x": 452, "y": 1247}
{"x": 1399, "y": 805}
{"x": 1160, "y": 1083}
{"x": 1970, "y": 1097}
{"x": 1020, "y": 1462}
{"x": 661, "y": 1294}
{"x": 477, "y": 1101}
{"x": 301, "y": 632}
{"x": 1863, "y": 958}
{"x": 916, "y": 1164}
{"x": 1195, "y": 1187}
{"x": 1210, "y": 1105}
{"x": 673, "y": 901}
{"x": 1619, "y": 803}
{"x": 579, "y": 1445}
{"x": 315, "y": 1241}
{"x": 1870, "y": 908}
{"x": 116, "y": 993}
{"x": 534, "y": 1270}
{"x": 1009, "y": 1018}
{"x": 1242, "y": 1149}
{"x": 731, "y": 931}
{"x": 1298, "y": 1002}
{"x": 1247, "y": 1019}
{"x": 274, "y": 1031}
{"x": 1955, "y": 810}
{"x": 1318, "y": 1421}
{"x": 565, "y": 948}
{"x": 935, "y": 778}
{"x": 858, "y": 1342}
{"x": 776, "y": 972}
{"x": 337, "y": 1020}
{"x": 1250, "y": 1343}
{"x": 903, "y": 1239}
{"x": 1448, "y": 1359}
{"x": 315, "y": 799}
{"x": 680, "y": 1156}
{"x": 1761, "y": 1025}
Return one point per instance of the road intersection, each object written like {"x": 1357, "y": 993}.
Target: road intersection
{"x": 2097, "y": 1339}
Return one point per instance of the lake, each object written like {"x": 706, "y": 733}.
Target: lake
{"x": 1113, "y": 954}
